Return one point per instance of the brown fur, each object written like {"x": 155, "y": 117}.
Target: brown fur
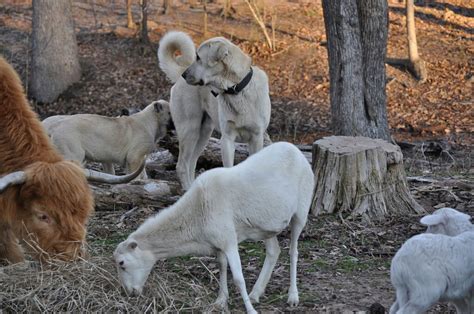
{"x": 53, "y": 205}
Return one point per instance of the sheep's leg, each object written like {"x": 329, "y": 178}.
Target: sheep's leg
{"x": 236, "y": 267}
{"x": 223, "y": 296}
{"x": 297, "y": 225}
{"x": 272, "y": 249}
{"x": 394, "y": 308}
{"x": 108, "y": 167}
{"x": 402, "y": 299}
{"x": 462, "y": 306}
{"x": 413, "y": 308}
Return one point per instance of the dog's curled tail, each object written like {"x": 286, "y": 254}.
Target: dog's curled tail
{"x": 176, "y": 53}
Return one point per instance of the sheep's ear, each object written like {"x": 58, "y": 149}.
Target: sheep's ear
{"x": 431, "y": 220}
{"x": 132, "y": 245}
{"x": 158, "y": 106}
{"x": 464, "y": 216}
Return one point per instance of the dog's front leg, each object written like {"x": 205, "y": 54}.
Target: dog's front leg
{"x": 255, "y": 144}
{"x": 228, "y": 149}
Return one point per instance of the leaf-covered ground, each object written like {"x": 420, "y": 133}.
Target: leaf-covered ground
{"x": 344, "y": 264}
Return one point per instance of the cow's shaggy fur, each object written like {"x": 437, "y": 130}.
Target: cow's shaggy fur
{"x": 49, "y": 211}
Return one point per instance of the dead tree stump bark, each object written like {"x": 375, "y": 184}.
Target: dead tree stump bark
{"x": 360, "y": 175}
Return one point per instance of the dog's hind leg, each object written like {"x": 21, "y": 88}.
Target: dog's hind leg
{"x": 108, "y": 167}
{"x": 187, "y": 148}
{"x": 204, "y": 134}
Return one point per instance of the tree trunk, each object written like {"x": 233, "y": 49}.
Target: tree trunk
{"x": 416, "y": 65}
{"x": 361, "y": 176}
{"x": 166, "y": 6}
{"x": 144, "y": 24}
{"x": 130, "y": 23}
{"x": 55, "y": 61}
{"x": 357, "y": 33}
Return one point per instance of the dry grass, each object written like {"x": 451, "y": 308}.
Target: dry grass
{"x": 92, "y": 286}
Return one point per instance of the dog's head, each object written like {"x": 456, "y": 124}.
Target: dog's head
{"x": 162, "y": 111}
{"x": 219, "y": 63}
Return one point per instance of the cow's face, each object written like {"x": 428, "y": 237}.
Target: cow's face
{"x": 56, "y": 203}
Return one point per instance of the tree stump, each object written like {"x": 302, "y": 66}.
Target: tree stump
{"x": 360, "y": 175}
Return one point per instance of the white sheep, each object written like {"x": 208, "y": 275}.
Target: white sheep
{"x": 254, "y": 200}
{"x": 122, "y": 140}
{"x": 436, "y": 266}
{"x": 447, "y": 221}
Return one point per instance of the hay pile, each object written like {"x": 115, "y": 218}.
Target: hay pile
{"x": 92, "y": 286}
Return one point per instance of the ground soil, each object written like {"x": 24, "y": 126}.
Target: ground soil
{"x": 344, "y": 263}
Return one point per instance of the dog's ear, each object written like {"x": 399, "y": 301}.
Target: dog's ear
{"x": 158, "y": 106}
{"x": 221, "y": 51}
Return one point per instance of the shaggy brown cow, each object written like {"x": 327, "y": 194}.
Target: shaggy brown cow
{"x": 45, "y": 201}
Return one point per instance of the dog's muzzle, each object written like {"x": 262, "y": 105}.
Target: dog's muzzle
{"x": 185, "y": 75}
{"x": 190, "y": 79}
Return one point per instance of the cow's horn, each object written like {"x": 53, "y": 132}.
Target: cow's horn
{"x": 13, "y": 178}
{"x": 101, "y": 177}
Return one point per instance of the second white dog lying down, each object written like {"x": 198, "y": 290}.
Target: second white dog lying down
{"x": 121, "y": 140}
{"x": 254, "y": 200}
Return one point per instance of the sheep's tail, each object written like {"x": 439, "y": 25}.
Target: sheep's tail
{"x": 175, "y": 54}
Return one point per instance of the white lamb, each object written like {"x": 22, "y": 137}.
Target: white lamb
{"x": 430, "y": 268}
{"x": 447, "y": 221}
{"x": 254, "y": 200}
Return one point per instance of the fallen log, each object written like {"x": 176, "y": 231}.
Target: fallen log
{"x": 211, "y": 157}
{"x": 141, "y": 193}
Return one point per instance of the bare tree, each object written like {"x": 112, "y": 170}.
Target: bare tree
{"x": 55, "y": 61}
{"x": 144, "y": 24}
{"x": 259, "y": 18}
{"x": 416, "y": 65}
{"x": 130, "y": 23}
{"x": 167, "y": 6}
{"x": 357, "y": 33}
{"x": 360, "y": 173}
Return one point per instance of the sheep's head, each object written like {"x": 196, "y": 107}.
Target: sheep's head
{"x": 447, "y": 221}
{"x": 53, "y": 206}
{"x": 134, "y": 264}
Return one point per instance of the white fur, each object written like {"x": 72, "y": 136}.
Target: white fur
{"x": 122, "y": 140}
{"x": 436, "y": 266}
{"x": 196, "y": 112}
{"x": 254, "y": 200}
{"x": 447, "y": 221}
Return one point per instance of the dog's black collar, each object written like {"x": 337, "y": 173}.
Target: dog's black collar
{"x": 237, "y": 88}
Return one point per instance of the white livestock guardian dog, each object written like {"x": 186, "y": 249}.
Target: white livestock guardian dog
{"x": 215, "y": 87}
